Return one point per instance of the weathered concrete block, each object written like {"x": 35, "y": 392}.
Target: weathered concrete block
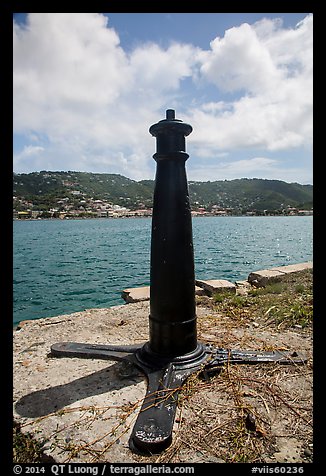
{"x": 242, "y": 287}
{"x": 213, "y": 286}
{"x": 143, "y": 294}
{"x": 136, "y": 294}
{"x": 199, "y": 291}
{"x": 266, "y": 276}
{"x": 295, "y": 268}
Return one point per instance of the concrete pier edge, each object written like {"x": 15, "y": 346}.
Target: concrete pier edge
{"x": 211, "y": 286}
{"x": 55, "y": 399}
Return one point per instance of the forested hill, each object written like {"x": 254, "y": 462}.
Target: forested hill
{"x": 44, "y": 189}
{"x": 253, "y": 194}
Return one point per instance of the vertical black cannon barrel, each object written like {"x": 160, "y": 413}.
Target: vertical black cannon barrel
{"x": 172, "y": 320}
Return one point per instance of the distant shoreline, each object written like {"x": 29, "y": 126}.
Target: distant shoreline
{"x": 310, "y": 214}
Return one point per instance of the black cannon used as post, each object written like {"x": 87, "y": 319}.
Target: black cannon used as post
{"x": 172, "y": 352}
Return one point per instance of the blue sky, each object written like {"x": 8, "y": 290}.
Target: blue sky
{"x": 87, "y": 87}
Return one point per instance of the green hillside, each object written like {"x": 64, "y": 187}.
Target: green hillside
{"x": 44, "y": 189}
{"x": 252, "y": 194}
{"x": 47, "y": 187}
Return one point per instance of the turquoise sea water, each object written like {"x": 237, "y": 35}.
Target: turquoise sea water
{"x": 63, "y": 266}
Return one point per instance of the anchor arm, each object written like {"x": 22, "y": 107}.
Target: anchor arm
{"x": 93, "y": 351}
{"x": 220, "y": 356}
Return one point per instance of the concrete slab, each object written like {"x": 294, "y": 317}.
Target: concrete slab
{"x": 143, "y": 294}
{"x": 199, "y": 291}
{"x": 294, "y": 268}
{"x": 266, "y": 276}
{"x": 136, "y": 294}
{"x": 216, "y": 286}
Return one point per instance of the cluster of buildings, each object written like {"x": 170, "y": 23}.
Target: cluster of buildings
{"x": 77, "y": 205}
{"x": 81, "y": 208}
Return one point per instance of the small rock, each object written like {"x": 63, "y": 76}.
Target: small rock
{"x": 307, "y": 452}
{"x": 204, "y": 458}
{"x": 250, "y": 422}
{"x": 213, "y": 459}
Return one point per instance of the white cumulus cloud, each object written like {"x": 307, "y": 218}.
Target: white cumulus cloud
{"x": 93, "y": 102}
{"x": 272, "y": 69}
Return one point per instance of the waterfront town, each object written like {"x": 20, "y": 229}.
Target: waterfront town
{"x": 81, "y": 207}
{"x": 69, "y": 195}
